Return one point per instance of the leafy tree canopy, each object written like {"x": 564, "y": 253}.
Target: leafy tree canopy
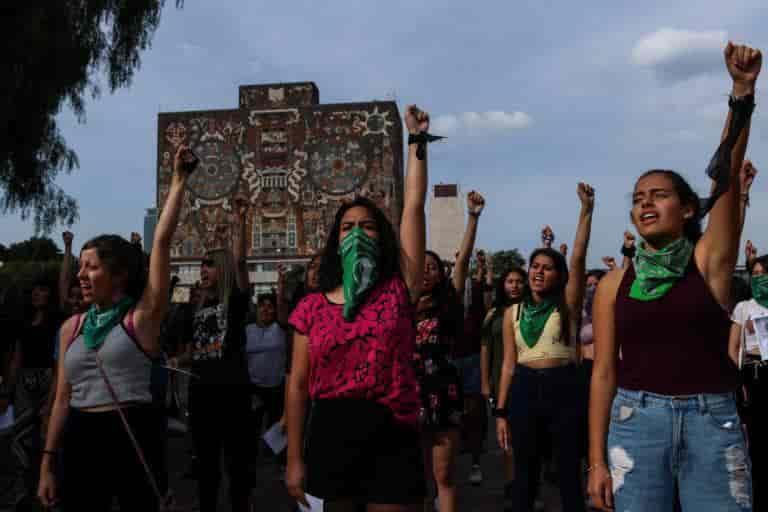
{"x": 54, "y": 53}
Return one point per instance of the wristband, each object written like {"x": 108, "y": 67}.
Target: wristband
{"x": 473, "y": 213}
{"x": 421, "y": 140}
{"x": 499, "y": 413}
{"x": 629, "y": 252}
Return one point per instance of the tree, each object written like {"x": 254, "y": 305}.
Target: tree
{"x": 33, "y": 250}
{"x": 51, "y": 54}
{"x": 505, "y": 260}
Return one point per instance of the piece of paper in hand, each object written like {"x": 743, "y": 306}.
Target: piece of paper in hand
{"x": 315, "y": 504}
{"x": 275, "y": 438}
{"x": 7, "y": 418}
{"x": 761, "y": 330}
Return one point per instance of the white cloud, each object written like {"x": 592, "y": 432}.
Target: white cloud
{"x": 676, "y": 55}
{"x": 471, "y": 123}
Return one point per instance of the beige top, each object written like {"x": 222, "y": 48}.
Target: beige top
{"x": 549, "y": 346}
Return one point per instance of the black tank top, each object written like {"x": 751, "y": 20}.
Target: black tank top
{"x": 676, "y": 345}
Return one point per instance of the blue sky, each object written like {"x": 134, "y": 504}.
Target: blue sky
{"x": 594, "y": 91}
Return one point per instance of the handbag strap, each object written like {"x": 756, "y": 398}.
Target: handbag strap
{"x": 129, "y": 431}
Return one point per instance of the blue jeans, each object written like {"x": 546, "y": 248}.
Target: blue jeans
{"x": 693, "y": 443}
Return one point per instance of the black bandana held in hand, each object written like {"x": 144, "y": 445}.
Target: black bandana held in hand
{"x": 421, "y": 139}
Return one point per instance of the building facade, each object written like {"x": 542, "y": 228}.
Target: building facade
{"x": 150, "y": 223}
{"x": 294, "y": 161}
{"x": 446, "y": 220}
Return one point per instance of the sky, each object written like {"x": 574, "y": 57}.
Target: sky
{"x": 534, "y": 97}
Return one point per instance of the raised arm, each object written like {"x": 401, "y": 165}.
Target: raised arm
{"x": 628, "y": 249}
{"x": 65, "y": 274}
{"x": 282, "y": 304}
{"x": 153, "y": 305}
{"x": 746, "y": 178}
{"x": 717, "y": 251}
{"x": 475, "y": 206}
{"x": 412, "y": 224}
{"x": 750, "y": 253}
{"x": 239, "y": 249}
{"x": 574, "y": 290}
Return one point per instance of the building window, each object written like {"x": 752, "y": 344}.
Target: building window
{"x": 256, "y": 233}
{"x": 291, "y": 230}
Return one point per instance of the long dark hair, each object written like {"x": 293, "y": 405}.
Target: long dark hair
{"x": 762, "y": 261}
{"x": 51, "y": 310}
{"x": 558, "y": 291}
{"x": 688, "y": 197}
{"x": 120, "y": 256}
{"x": 500, "y": 299}
{"x": 331, "y": 272}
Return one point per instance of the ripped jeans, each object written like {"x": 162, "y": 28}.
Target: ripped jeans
{"x": 657, "y": 444}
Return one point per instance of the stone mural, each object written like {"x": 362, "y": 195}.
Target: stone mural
{"x": 293, "y": 159}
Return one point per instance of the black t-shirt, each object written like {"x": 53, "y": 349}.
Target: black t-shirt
{"x": 218, "y": 341}
{"x": 37, "y": 343}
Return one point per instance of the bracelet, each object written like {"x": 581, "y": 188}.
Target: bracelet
{"x": 745, "y": 104}
{"x": 473, "y": 213}
{"x": 595, "y": 466}
{"x": 629, "y": 252}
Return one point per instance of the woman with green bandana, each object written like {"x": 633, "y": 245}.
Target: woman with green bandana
{"x": 104, "y": 372}
{"x": 540, "y": 381}
{"x": 439, "y": 314}
{"x": 746, "y": 351}
{"x": 662, "y": 416}
{"x": 352, "y": 356}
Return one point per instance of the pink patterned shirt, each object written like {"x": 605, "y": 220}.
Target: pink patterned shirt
{"x": 369, "y": 358}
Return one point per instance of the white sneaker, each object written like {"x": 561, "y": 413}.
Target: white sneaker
{"x": 476, "y": 475}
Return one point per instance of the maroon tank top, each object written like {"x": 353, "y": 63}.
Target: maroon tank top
{"x": 676, "y": 345}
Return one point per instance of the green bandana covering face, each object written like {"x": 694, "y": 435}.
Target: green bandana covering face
{"x": 533, "y": 318}
{"x": 759, "y": 286}
{"x": 359, "y": 257}
{"x": 98, "y": 323}
{"x": 657, "y": 272}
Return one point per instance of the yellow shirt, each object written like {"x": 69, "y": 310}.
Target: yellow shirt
{"x": 550, "y": 344}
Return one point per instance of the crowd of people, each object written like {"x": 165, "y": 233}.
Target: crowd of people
{"x": 638, "y": 384}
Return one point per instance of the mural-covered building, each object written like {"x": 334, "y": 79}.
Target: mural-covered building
{"x": 293, "y": 159}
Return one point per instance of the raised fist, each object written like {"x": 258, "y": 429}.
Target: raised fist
{"x": 416, "y": 120}
{"x": 747, "y": 176}
{"x": 564, "y": 249}
{"x": 68, "y": 237}
{"x": 184, "y": 162}
{"x": 586, "y": 195}
{"x": 743, "y": 64}
{"x": 750, "y": 251}
{"x": 629, "y": 240}
{"x": 475, "y": 203}
{"x": 135, "y": 238}
{"x": 609, "y": 262}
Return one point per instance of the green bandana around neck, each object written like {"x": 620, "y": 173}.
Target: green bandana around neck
{"x": 98, "y": 323}
{"x": 533, "y": 318}
{"x": 657, "y": 272}
{"x": 359, "y": 258}
{"x": 759, "y": 285}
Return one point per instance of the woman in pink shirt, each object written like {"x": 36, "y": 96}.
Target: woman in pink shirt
{"x": 353, "y": 348}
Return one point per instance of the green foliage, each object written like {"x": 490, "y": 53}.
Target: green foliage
{"x": 505, "y": 260}
{"x": 52, "y": 52}
{"x": 33, "y": 250}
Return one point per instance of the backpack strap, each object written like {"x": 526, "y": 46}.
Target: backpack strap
{"x": 75, "y": 333}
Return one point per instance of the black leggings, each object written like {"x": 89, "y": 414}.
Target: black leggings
{"x": 219, "y": 419}
{"x": 551, "y": 399}
{"x": 99, "y": 462}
